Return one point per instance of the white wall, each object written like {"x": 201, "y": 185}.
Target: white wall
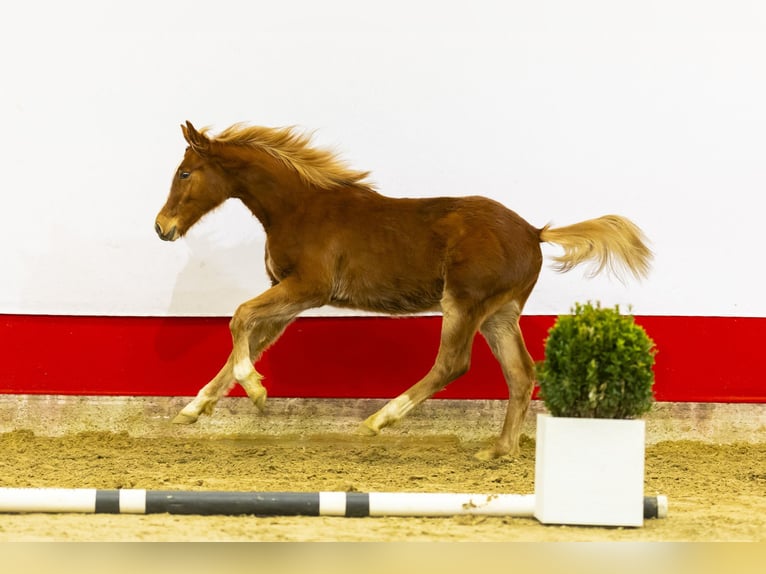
{"x": 562, "y": 109}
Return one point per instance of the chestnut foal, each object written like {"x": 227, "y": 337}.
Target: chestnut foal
{"x": 331, "y": 239}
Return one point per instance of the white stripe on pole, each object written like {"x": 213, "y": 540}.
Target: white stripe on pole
{"x": 48, "y": 500}
{"x": 133, "y": 501}
{"x": 332, "y": 503}
{"x": 450, "y": 504}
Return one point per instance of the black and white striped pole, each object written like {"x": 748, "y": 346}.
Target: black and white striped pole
{"x": 351, "y": 504}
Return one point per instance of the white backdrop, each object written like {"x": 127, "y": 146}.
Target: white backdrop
{"x": 561, "y": 109}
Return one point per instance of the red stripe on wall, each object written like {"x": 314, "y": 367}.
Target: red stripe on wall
{"x": 707, "y": 359}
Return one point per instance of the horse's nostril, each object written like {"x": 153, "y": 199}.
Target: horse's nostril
{"x": 169, "y": 235}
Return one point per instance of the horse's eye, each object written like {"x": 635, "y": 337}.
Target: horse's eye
{"x": 184, "y": 175}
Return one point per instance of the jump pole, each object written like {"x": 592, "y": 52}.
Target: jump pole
{"x": 226, "y": 503}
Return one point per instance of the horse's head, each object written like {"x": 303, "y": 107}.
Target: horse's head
{"x": 198, "y": 187}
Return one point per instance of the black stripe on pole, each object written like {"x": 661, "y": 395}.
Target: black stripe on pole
{"x": 233, "y": 503}
{"x": 357, "y": 504}
{"x": 107, "y": 502}
{"x": 651, "y": 507}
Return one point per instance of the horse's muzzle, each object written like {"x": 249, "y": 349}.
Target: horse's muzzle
{"x": 169, "y": 235}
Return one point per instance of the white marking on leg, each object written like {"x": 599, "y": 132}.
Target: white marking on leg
{"x": 398, "y": 407}
{"x": 199, "y": 403}
{"x": 196, "y": 406}
{"x": 391, "y": 412}
{"x": 243, "y": 369}
{"x": 191, "y": 412}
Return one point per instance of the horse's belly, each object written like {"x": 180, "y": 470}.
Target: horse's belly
{"x": 391, "y": 297}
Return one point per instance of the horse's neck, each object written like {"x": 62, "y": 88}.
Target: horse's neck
{"x": 272, "y": 193}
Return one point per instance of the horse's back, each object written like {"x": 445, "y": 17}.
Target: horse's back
{"x": 398, "y": 255}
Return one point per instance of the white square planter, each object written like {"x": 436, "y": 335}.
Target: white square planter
{"x": 589, "y": 471}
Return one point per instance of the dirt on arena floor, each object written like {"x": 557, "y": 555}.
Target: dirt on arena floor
{"x": 716, "y": 492}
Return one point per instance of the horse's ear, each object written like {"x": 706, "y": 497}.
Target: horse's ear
{"x": 197, "y": 140}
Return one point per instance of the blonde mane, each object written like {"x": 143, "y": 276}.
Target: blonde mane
{"x": 315, "y": 166}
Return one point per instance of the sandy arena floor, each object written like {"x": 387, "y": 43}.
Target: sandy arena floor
{"x": 717, "y": 492}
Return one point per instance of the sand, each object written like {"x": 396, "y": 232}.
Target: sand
{"x": 716, "y": 492}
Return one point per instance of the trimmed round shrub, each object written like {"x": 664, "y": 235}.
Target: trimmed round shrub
{"x": 598, "y": 364}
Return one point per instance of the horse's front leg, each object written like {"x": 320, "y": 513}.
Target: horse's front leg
{"x": 208, "y": 396}
{"x": 246, "y": 375}
{"x": 252, "y": 332}
{"x": 256, "y": 324}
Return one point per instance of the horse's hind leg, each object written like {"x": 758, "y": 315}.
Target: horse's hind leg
{"x": 452, "y": 360}
{"x": 501, "y": 330}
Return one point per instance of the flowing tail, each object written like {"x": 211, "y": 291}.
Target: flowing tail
{"x": 610, "y": 242}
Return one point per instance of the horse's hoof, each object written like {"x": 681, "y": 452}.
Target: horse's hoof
{"x": 493, "y": 452}
{"x": 184, "y": 419}
{"x": 364, "y": 430}
{"x": 486, "y": 454}
{"x": 260, "y": 401}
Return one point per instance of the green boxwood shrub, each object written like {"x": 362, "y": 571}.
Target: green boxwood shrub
{"x": 598, "y": 364}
